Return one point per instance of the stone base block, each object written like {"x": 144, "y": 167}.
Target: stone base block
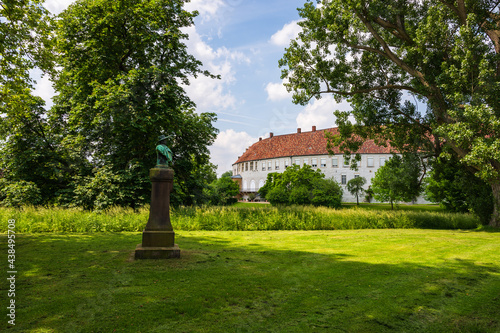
{"x": 157, "y": 252}
{"x": 158, "y": 238}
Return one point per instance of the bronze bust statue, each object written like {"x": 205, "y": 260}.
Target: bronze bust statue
{"x": 163, "y": 153}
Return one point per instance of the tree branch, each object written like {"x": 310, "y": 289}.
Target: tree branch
{"x": 397, "y": 30}
{"x": 459, "y": 10}
{"x": 400, "y": 63}
{"x": 365, "y": 48}
{"x": 367, "y": 90}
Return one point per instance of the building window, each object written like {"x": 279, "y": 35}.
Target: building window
{"x": 382, "y": 161}
{"x": 286, "y": 164}
{"x": 356, "y": 176}
{"x": 263, "y": 166}
{"x": 335, "y": 162}
{"x": 269, "y": 165}
{"x": 246, "y": 166}
{"x": 251, "y": 166}
{"x": 369, "y": 162}
{"x": 346, "y": 163}
{"x": 297, "y": 161}
{"x": 314, "y": 162}
{"x": 323, "y": 162}
{"x": 306, "y": 161}
{"x": 277, "y": 165}
{"x": 343, "y": 179}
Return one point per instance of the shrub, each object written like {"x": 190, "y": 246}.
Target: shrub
{"x": 19, "y": 193}
{"x": 326, "y": 192}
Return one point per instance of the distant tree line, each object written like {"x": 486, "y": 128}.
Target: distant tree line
{"x": 403, "y": 178}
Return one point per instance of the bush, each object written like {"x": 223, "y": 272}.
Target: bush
{"x": 19, "y": 193}
{"x": 301, "y": 186}
{"x": 326, "y": 192}
{"x": 299, "y": 196}
{"x": 278, "y": 196}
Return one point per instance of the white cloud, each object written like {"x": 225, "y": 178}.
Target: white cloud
{"x": 288, "y": 32}
{"x": 210, "y": 94}
{"x": 319, "y": 113}
{"x": 43, "y": 88}
{"x": 277, "y": 91}
{"x": 207, "y": 8}
{"x": 227, "y": 147}
{"x": 57, "y": 6}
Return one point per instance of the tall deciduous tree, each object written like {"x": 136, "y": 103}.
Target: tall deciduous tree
{"x": 123, "y": 63}
{"x": 31, "y": 158}
{"x": 355, "y": 187}
{"x": 399, "y": 179}
{"x": 457, "y": 189}
{"x": 376, "y": 54}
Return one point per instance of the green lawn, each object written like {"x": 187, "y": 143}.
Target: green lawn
{"x": 385, "y": 280}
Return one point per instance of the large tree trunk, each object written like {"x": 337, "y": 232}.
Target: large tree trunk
{"x": 495, "y": 217}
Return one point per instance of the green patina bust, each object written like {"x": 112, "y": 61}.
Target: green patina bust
{"x": 163, "y": 153}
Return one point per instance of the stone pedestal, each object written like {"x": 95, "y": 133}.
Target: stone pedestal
{"x": 158, "y": 236}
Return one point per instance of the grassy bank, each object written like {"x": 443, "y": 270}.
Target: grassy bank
{"x": 241, "y": 218}
{"x": 269, "y": 281}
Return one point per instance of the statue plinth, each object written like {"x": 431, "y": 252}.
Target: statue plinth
{"x": 158, "y": 236}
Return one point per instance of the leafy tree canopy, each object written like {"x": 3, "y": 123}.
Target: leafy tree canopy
{"x": 119, "y": 89}
{"x": 458, "y": 190}
{"x": 120, "y": 69}
{"x": 399, "y": 179}
{"x": 355, "y": 187}
{"x": 301, "y": 186}
{"x": 383, "y": 56}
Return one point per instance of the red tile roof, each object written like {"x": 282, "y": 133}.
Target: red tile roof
{"x": 301, "y": 144}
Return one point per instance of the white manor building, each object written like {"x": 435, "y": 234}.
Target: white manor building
{"x": 276, "y": 153}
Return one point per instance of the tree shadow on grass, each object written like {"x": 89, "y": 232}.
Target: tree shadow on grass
{"x": 87, "y": 283}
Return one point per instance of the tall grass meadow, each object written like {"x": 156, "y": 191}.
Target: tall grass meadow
{"x": 117, "y": 219}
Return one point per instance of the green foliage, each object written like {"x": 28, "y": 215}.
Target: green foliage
{"x": 398, "y": 179}
{"x": 15, "y": 194}
{"x": 456, "y": 188}
{"x": 326, "y": 192}
{"x": 264, "y": 217}
{"x": 445, "y": 54}
{"x": 301, "y": 186}
{"x": 369, "y": 194}
{"x": 223, "y": 191}
{"x": 278, "y": 195}
{"x": 106, "y": 188}
{"x": 355, "y": 187}
{"x": 117, "y": 93}
{"x": 29, "y": 153}
{"x": 119, "y": 86}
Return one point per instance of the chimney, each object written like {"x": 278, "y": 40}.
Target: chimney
{"x": 314, "y": 128}
{"x": 299, "y": 130}
{"x": 271, "y": 134}
{"x": 260, "y": 139}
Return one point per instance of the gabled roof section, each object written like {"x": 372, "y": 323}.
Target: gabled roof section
{"x": 301, "y": 144}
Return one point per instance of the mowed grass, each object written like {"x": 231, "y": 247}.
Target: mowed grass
{"x": 384, "y": 280}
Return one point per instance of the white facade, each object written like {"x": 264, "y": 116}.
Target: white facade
{"x": 254, "y": 173}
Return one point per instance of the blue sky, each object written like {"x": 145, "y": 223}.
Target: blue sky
{"x": 242, "y": 40}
